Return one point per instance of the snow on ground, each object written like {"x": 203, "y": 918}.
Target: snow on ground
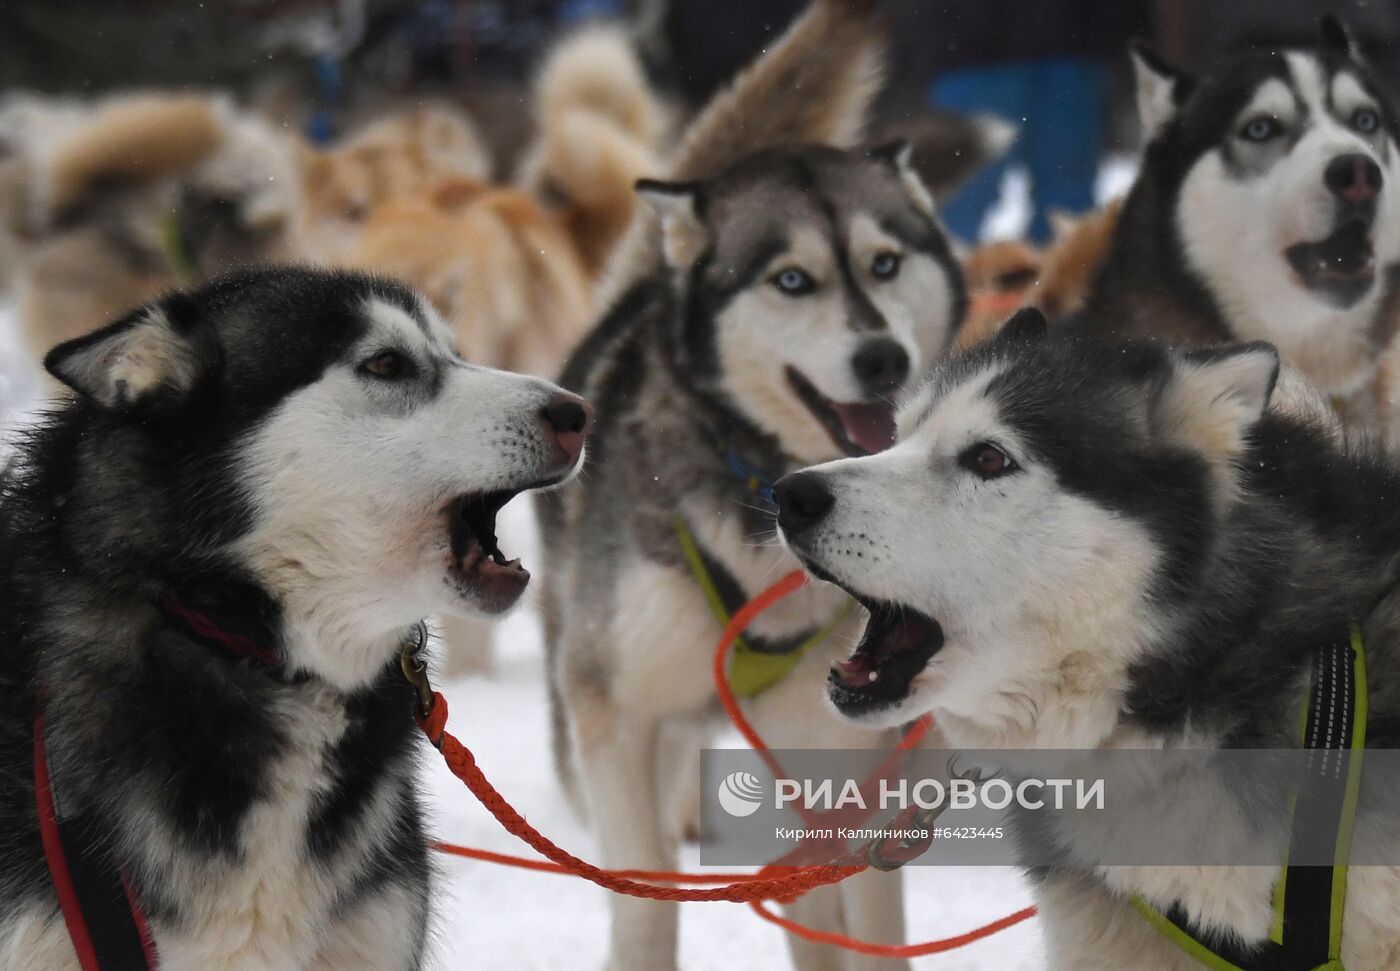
{"x": 492, "y": 918}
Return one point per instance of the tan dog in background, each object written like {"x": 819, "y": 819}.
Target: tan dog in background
{"x": 1071, "y": 263}
{"x": 397, "y": 156}
{"x": 114, "y": 202}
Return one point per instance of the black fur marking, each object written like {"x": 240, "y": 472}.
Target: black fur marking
{"x": 150, "y": 728}
{"x": 1248, "y": 590}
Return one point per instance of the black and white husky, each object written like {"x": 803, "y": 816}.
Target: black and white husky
{"x": 1084, "y": 545}
{"x": 1267, "y": 208}
{"x": 790, "y": 293}
{"x": 208, "y": 562}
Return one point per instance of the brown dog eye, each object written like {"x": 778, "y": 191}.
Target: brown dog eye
{"x": 986, "y": 460}
{"x": 386, "y": 365}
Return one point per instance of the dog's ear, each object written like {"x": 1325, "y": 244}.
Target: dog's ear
{"x": 154, "y": 355}
{"x": 1215, "y": 396}
{"x": 1161, "y": 90}
{"x": 677, "y": 204}
{"x": 1026, "y": 324}
{"x": 1062, "y": 223}
{"x": 1334, "y": 37}
{"x": 899, "y": 156}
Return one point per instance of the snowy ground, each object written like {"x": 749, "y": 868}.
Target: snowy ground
{"x": 491, "y": 918}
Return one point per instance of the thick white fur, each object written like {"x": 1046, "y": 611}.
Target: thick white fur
{"x": 1234, "y": 231}
{"x": 343, "y": 474}
{"x": 1041, "y": 595}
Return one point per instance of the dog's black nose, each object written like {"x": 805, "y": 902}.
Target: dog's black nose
{"x": 881, "y": 366}
{"x": 568, "y": 417}
{"x": 567, "y": 414}
{"x": 803, "y": 499}
{"x": 1355, "y": 177}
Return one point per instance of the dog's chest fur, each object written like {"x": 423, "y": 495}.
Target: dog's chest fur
{"x": 249, "y": 813}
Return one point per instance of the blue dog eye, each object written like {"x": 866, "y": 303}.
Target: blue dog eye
{"x": 1365, "y": 120}
{"x": 1261, "y": 129}
{"x": 885, "y": 265}
{"x": 794, "y": 282}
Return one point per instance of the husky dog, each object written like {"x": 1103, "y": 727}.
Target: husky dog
{"x": 1080, "y": 545}
{"x": 1266, "y": 208}
{"x": 292, "y": 461}
{"x": 792, "y": 291}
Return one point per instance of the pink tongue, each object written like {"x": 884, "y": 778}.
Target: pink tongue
{"x": 869, "y": 426}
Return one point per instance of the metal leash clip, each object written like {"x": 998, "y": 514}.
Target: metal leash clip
{"x": 894, "y": 852}
{"x": 415, "y": 668}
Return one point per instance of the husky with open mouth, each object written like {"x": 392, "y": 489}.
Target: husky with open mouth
{"x": 209, "y": 560}
{"x": 791, "y": 290}
{"x": 1266, "y": 209}
{"x": 1083, "y": 545}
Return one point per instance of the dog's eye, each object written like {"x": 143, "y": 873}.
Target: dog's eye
{"x": 986, "y": 460}
{"x": 885, "y": 266}
{"x": 387, "y": 366}
{"x": 1365, "y": 120}
{"x": 1261, "y": 129}
{"x": 793, "y": 282}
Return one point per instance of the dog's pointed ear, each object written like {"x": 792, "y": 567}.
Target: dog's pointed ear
{"x": 1215, "y": 396}
{"x": 1062, "y": 223}
{"x": 1161, "y": 90}
{"x": 1026, "y": 324}
{"x": 677, "y": 204}
{"x": 1333, "y": 36}
{"x": 899, "y": 156}
{"x": 156, "y": 354}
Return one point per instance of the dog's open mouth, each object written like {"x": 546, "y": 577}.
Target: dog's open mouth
{"x": 478, "y": 565}
{"x": 895, "y": 647}
{"x": 858, "y": 428}
{"x": 1341, "y": 267}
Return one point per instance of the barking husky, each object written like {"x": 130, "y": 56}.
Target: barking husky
{"x": 1079, "y": 545}
{"x": 209, "y": 561}
{"x": 794, "y": 290}
{"x": 1266, "y": 208}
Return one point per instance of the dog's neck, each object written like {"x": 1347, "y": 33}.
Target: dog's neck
{"x": 340, "y": 647}
{"x": 729, "y": 461}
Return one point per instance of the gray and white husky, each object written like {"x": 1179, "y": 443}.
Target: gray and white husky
{"x": 1267, "y": 208}
{"x": 209, "y": 559}
{"x": 790, "y": 292}
{"x": 1083, "y": 545}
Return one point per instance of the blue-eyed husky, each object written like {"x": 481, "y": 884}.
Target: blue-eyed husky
{"x": 789, "y": 292}
{"x": 1267, "y": 208}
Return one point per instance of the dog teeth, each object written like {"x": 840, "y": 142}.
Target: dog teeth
{"x": 874, "y": 675}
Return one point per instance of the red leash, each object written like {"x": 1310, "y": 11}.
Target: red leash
{"x": 780, "y": 883}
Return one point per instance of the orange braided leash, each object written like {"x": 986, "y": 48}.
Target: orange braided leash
{"x": 777, "y": 882}
{"x": 787, "y": 886}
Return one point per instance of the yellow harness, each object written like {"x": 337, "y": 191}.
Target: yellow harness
{"x": 752, "y": 671}
{"x": 1301, "y": 939}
